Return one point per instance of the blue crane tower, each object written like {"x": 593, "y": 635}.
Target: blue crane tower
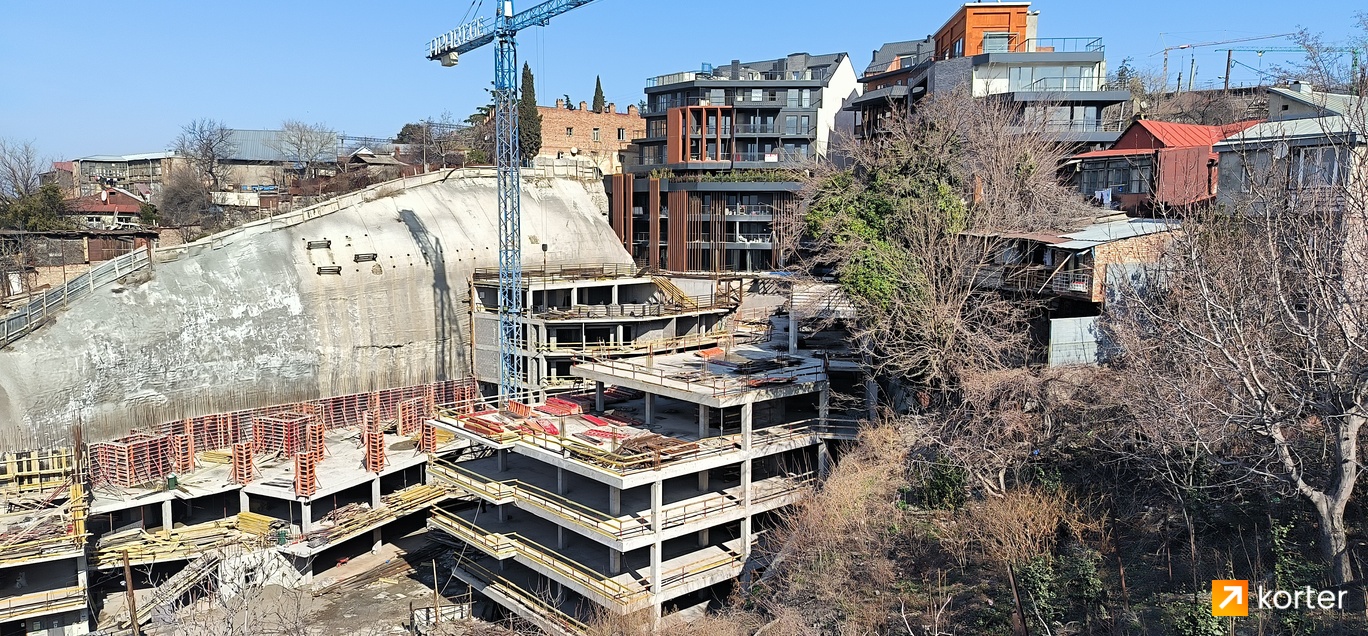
{"x": 447, "y": 48}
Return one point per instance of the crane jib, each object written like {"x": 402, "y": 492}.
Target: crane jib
{"x": 449, "y": 41}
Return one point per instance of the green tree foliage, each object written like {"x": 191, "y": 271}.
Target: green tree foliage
{"x": 529, "y": 119}
{"x": 599, "y": 103}
{"x": 411, "y": 133}
{"x": 41, "y": 210}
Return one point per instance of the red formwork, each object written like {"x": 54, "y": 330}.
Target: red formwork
{"x": 284, "y": 432}
{"x": 413, "y": 412}
{"x": 313, "y": 441}
{"x": 305, "y": 481}
{"x": 182, "y": 453}
{"x": 243, "y": 470}
{"x": 427, "y": 441}
{"x": 130, "y": 461}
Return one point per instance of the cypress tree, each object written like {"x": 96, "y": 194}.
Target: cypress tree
{"x": 598, "y": 95}
{"x": 529, "y": 120}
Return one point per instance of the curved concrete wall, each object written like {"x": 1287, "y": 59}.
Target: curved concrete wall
{"x": 244, "y": 319}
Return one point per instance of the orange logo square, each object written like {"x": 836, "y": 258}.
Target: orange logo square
{"x": 1230, "y": 598}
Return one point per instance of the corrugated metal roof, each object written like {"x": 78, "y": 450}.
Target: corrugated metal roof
{"x": 1333, "y": 102}
{"x": 1174, "y": 135}
{"x": 1115, "y": 152}
{"x": 146, "y": 156}
{"x": 1100, "y": 233}
{"x": 1288, "y": 129}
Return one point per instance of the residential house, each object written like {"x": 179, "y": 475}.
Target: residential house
{"x": 141, "y": 173}
{"x": 991, "y": 49}
{"x": 582, "y": 135}
{"x": 1076, "y": 272}
{"x": 1313, "y": 142}
{"x": 111, "y": 208}
{"x": 702, "y": 192}
{"x": 1155, "y": 166}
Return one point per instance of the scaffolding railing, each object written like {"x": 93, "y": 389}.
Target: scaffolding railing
{"x": 513, "y": 590}
{"x": 41, "y": 603}
{"x": 567, "y": 272}
{"x": 717, "y": 385}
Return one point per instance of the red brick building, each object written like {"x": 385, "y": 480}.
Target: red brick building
{"x": 584, "y": 134}
{"x": 108, "y": 208}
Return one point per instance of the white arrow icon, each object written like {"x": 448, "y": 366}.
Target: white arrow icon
{"x": 1235, "y": 594}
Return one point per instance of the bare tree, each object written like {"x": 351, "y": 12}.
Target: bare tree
{"x": 206, "y": 144}
{"x": 185, "y": 203}
{"x": 20, "y": 166}
{"x": 305, "y": 145}
{"x": 1247, "y": 346}
{"x": 1326, "y": 65}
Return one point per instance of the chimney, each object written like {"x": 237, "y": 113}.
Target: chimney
{"x": 612, "y": 108}
{"x": 1302, "y": 87}
{"x": 560, "y": 103}
{"x": 631, "y": 109}
{"x": 736, "y": 69}
{"x": 584, "y": 105}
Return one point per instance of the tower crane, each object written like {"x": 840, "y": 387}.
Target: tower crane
{"x": 446, "y": 48}
{"x": 1199, "y": 45}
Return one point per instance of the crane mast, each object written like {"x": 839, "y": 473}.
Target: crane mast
{"x": 446, "y": 49}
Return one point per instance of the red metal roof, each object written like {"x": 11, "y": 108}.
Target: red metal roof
{"x": 1173, "y": 135}
{"x": 1114, "y": 152}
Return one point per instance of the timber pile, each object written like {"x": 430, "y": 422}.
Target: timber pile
{"x": 405, "y": 565}
{"x": 659, "y": 446}
{"x": 33, "y": 536}
{"x": 258, "y": 525}
{"x": 179, "y": 543}
{"x": 357, "y": 517}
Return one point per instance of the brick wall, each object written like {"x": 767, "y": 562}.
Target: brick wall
{"x": 1140, "y": 249}
{"x": 557, "y": 121}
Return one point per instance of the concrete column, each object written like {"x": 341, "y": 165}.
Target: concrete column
{"x": 376, "y": 540}
{"x": 560, "y": 481}
{"x": 747, "y": 412}
{"x": 703, "y": 412}
{"x": 166, "y": 515}
{"x": 614, "y": 501}
{"x": 746, "y": 505}
{"x": 574, "y": 296}
{"x": 615, "y": 294}
{"x": 871, "y": 397}
{"x": 824, "y": 403}
{"x": 823, "y": 460}
{"x": 502, "y": 458}
{"x": 614, "y": 561}
{"x": 82, "y": 566}
{"x": 305, "y": 516}
{"x": 598, "y": 397}
{"x": 375, "y": 492}
{"x": 244, "y": 502}
{"x": 792, "y": 329}
{"x": 703, "y": 538}
{"x": 650, "y": 408}
{"x": 703, "y": 476}
{"x": 619, "y": 335}
{"x": 560, "y": 538}
{"x": 657, "y": 494}
{"x": 500, "y": 513}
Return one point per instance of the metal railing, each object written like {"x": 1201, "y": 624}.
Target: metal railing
{"x": 661, "y": 345}
{"x": 1081, "y": 125}
{"x": 50, "y": 602}
{"x": 532, "y": 601}
{"x": 718, "y": 385}
{"x": 751, "y": 237}
{"x": 772, "y": 156}
{"x": 27, "y": 318}
{"x": 757, "y": 129}
{"x": 568, "y": 272}
{"x": 1058, "y": 45}
{"x": 1062, "y": 83}
{"x": 617, "y": 528}
{"x": 633, "y": 310}
{"x": 1072, "y": 282}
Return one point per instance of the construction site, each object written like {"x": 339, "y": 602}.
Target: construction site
{"x": 313, "y": 402}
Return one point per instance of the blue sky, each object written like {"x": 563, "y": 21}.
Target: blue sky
{"x": 81, "y": 78}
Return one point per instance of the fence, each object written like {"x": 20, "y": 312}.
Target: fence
{"x": 29, "y": 317}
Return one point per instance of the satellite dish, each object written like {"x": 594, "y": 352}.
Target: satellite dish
{"x": 1280, "y": 150}
{"x": 104, "y": 196}
{"x": 574, "y": 151}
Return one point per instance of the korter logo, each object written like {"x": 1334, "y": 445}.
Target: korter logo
{"x": 1232, "y": 598}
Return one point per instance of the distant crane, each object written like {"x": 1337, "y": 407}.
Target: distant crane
{"x": 446, "y": 48}
{"x": 1354, "y": 53}
{"x": 1198, "y": 45}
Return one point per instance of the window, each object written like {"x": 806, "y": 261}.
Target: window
{"x": 959, "y": 48}
{"x": 793, "y": 98}
{"x": 757, "y": 95}
{"x": 806, "y": 100}
{"x": 1318, "y": 167}
{"x": 997, "y": 42}
{"x": 596, "y": 135}
{"x": 622, "y": 134}
{"x": 717, "y": 97}
{"x": 656, "y": 128}
{"x": 790, "y": 124}
{"x": 569, "y": 131}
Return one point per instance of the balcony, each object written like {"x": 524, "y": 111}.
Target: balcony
{"x": 1057, "y": 45}
{"x": 772, "y": 156}
{"x": 1062, "y": 83}
{"x": 1037, "y": 279}
{"x": 751, "y": 237}
{"x": 706, "y": 302}
{"x": 757, "y": 129}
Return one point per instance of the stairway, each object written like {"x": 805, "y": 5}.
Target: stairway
{"x": 673, "y": 294}
{"x": 181, "y": 582}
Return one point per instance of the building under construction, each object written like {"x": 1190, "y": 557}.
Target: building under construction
{"x": 282, "y": 397}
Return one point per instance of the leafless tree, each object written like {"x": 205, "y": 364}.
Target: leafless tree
{"x": 206, "y": 144}
{"x": 20, "y": 166}
{"x": 305, "y": 145}
{"x": 185, "y": 203}
{"x": 1327, "y": 65}
{"x": 1247, "y": 345}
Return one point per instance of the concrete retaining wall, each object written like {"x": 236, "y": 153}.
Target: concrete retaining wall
{"x": 244, "y": 318}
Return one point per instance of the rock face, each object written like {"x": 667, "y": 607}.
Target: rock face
{"x": 255, "y": 316}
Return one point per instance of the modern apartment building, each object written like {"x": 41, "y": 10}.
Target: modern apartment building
{"x": 705, "y": 185}
{"x": 991, "y": 49}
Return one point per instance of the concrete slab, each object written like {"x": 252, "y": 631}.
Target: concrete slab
{"x": 690, "y": 377}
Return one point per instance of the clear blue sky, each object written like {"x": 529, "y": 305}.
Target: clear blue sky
{"x": 81, "y": 77}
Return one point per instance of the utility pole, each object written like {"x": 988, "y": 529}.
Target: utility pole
{"x": 132, "y": 600}
{"x": 1192, "y": 72}
{"x": 1230, "y": 59}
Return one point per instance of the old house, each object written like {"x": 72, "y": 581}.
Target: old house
{"x": 1155, "y": 166}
